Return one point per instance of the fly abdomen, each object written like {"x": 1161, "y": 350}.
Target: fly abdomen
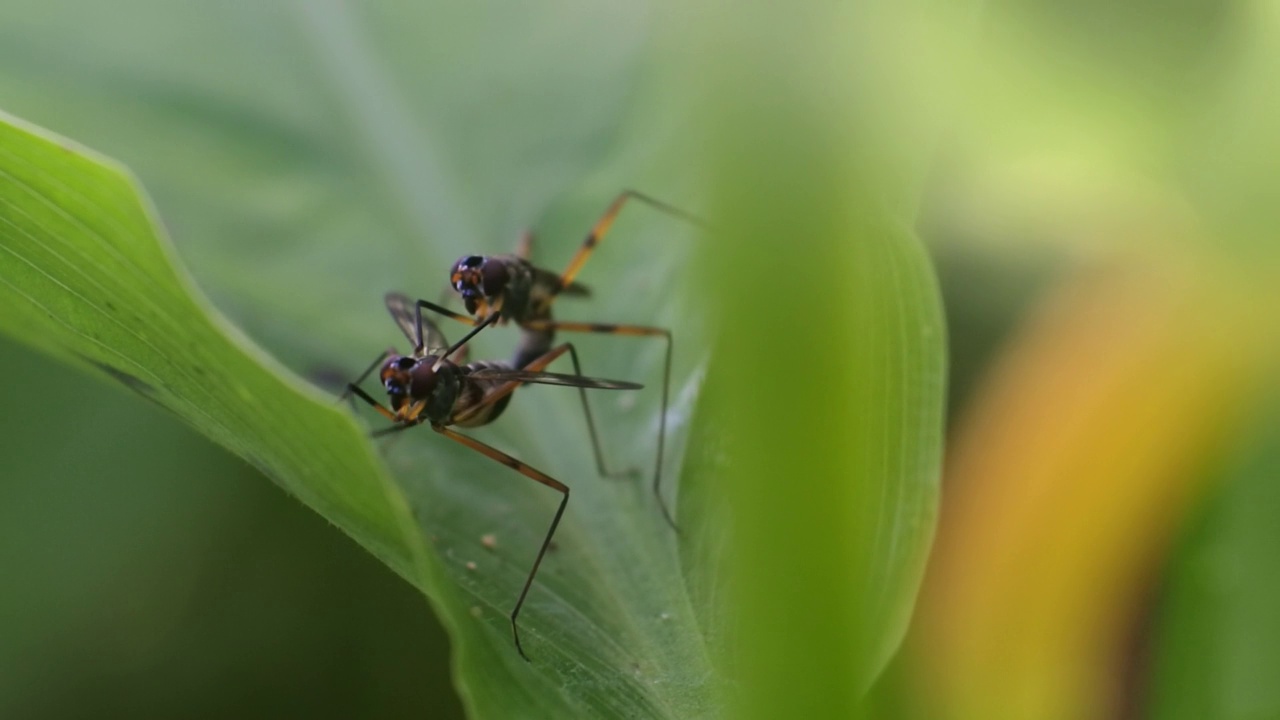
{"x": 473, "y": 391}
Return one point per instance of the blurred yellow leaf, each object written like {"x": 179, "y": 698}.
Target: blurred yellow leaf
{"x": 1068, "y": 477}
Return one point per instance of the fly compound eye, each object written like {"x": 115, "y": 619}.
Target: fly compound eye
{"x": 494, "y": 278}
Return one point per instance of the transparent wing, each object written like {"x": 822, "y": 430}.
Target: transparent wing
{"x": 403, "y": 311}
{"x": 549, "y": 378}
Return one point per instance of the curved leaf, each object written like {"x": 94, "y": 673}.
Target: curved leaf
{"x": 310, "y": 157}
{"x": 84, "y": 276}
{"x": 89, "y": 281}
{"x": 358, "y": 159}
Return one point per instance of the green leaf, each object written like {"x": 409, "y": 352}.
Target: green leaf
{"x": 88, "y": 280}
{"x": 830, "y": 365}
{"x": 309, "y": 157}
{"x": 1217, "y": 639}
{"x": 85, "y": 277}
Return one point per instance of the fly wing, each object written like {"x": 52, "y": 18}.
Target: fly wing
{"x": 404, "y": 312}
{"x": 548, "y": 378}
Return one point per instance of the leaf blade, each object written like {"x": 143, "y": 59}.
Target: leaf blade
{"x": 68, "y": 302}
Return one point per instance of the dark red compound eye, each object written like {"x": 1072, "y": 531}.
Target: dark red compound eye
{"x": 494, "y": 275}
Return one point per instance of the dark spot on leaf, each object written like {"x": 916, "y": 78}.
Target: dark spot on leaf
{"x": 329, "y": 378}
{"x": 133, "y": 383}
{"x": 110, "y": 306}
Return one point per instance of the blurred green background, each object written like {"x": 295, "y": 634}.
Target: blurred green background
{"x": 149, "y": 574}
{"x": 1096, "y": 185}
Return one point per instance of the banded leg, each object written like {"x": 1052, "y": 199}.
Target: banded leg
{"x": 411, "y": 417}
{"x": 537, "y": 476}
{"x": 634, "y": 331}
{"x": 353, "y": 389}
{"x": 602, "y": 226}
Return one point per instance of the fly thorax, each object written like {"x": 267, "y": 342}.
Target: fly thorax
{"x": 437, "y": 386}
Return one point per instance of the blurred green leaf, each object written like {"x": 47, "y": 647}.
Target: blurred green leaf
{"x": 829, "y": 375}
{"x": 1217, "y": 634}
{"x": 152, "y": 575}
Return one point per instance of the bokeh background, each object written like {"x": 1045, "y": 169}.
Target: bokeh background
{"x": 1096, "y": 183}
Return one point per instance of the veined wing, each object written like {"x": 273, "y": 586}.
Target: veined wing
{"x": 404, "y": 312}
{"x": 549, "y": 378}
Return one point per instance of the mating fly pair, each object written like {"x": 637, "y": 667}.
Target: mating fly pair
{"x": 425, "y": 387}
{"x": 497, "y": 289}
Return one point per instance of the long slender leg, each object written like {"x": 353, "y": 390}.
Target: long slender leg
{"x": 591, "y": 423}
{"x": 445, "y": 312}
{"x": 537, "y": 476}
{"x": 372, "y": 366}
{"x": 477, "y": 326}
{"x": 400, "y": 427}
{"x": 461, "y": 356}
{"x": 635, "y": 331}
{"x": 602, "y": 226}
{"x": 354, "y": 389}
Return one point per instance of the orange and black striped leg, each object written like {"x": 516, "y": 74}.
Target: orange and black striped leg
{"x": 602, "y": 226}
{"x": 354, "y": 389}
{"x": 634, "y": 331}
{"x": 537, "y": 476}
